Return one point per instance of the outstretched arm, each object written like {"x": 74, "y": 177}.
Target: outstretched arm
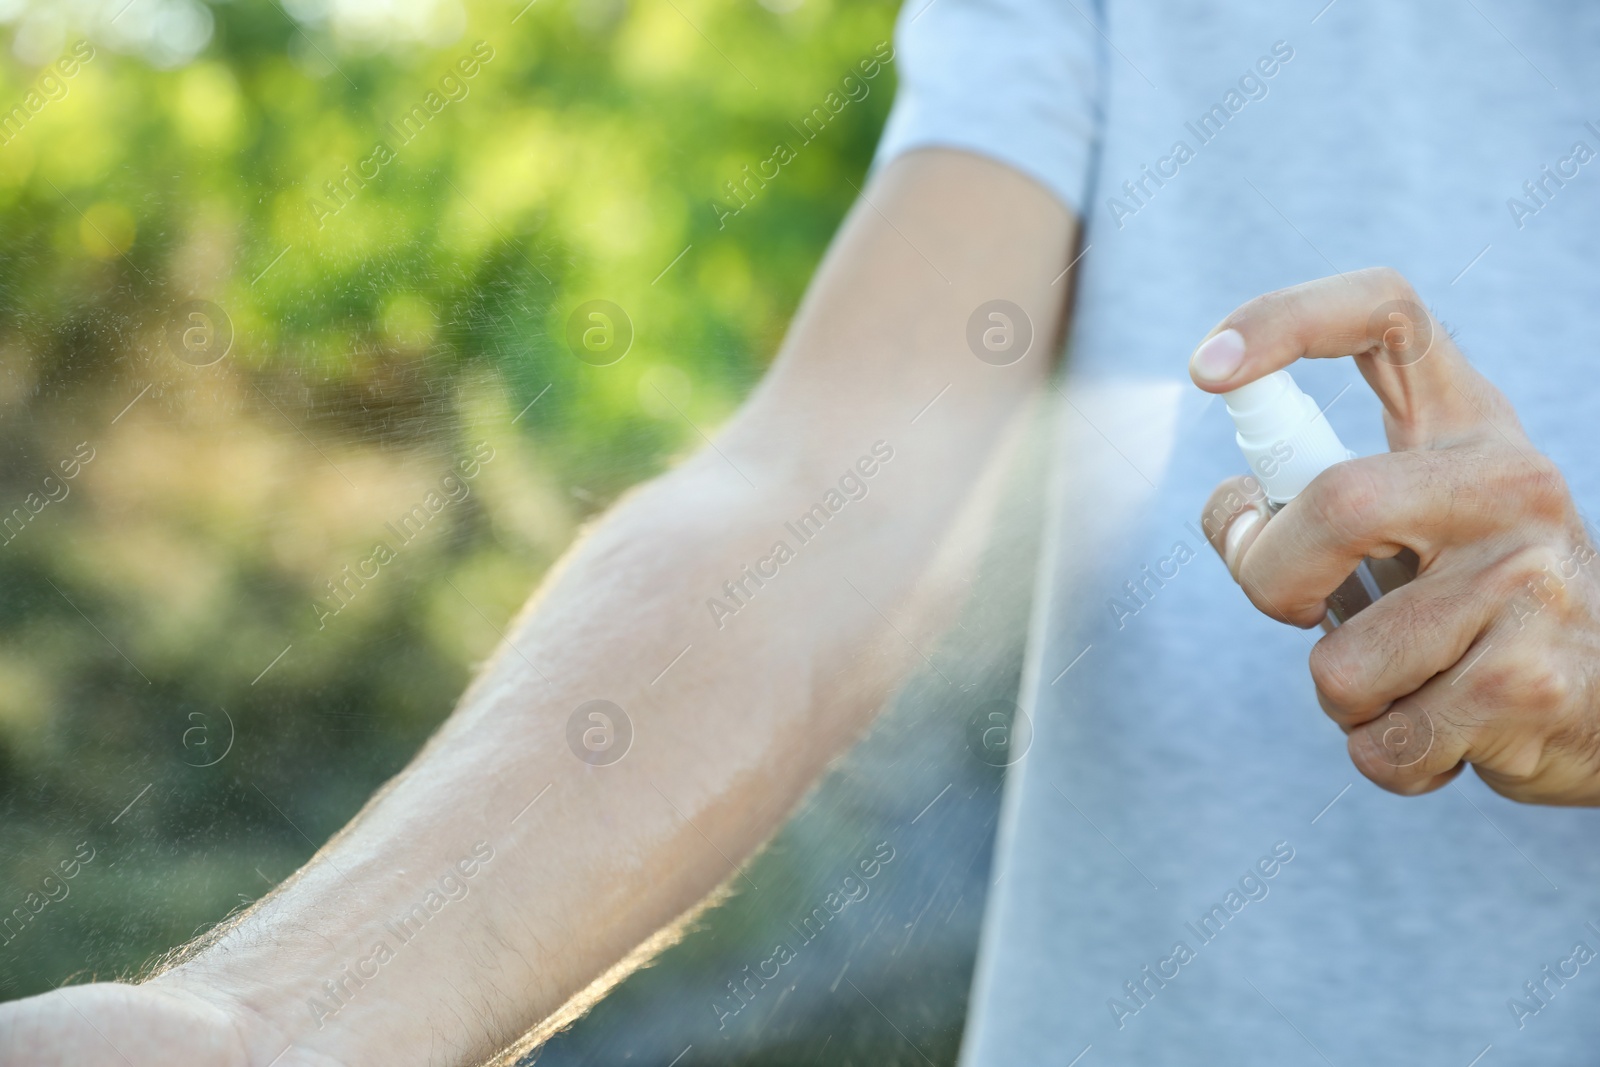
{"x": 451, "y": 916}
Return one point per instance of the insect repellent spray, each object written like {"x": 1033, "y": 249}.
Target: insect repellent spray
{"x": 1287, "y": 443}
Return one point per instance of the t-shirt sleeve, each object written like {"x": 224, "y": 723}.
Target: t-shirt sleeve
{"x": 1015, "y": 80}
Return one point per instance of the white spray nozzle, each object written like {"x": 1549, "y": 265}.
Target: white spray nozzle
{"x": 1283, "y": 436}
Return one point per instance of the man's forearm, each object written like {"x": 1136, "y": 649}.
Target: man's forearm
{"x": 501, "y": 875}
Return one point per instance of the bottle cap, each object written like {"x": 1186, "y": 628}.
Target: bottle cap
{"x": 1283, "y": 436}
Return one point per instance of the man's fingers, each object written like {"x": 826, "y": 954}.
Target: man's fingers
{"x": 1410, "y": 749}
{"x": 1234, "y": 518}
{"x": 1428, "y": 501}
{"x": 1428, "y": 389}
{"x": 1491, "y": 711}
{"x": 1392, "y": 648}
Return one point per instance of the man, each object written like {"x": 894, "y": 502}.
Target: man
{"x": 1189, "y": 869}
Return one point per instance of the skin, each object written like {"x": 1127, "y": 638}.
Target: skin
{"x": 1490, "y": 656}
{"x": 726, "y": 742}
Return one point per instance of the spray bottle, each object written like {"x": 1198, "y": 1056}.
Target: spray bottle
{"x": 1287, "y": 443}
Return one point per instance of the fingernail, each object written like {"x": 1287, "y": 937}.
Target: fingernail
{"x": 1230, "y": 544}
{"x": 1217, "y": 359}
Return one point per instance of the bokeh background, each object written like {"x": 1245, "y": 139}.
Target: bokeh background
{"x": 172, "y": 698}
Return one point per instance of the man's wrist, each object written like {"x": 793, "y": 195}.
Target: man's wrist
{"x": 261, "y": 1038}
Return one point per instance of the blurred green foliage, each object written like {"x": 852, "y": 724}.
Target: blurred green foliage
{"x": 142, "y": 709}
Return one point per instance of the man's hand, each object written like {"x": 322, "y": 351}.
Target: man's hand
{"x": 1490, "y": 656}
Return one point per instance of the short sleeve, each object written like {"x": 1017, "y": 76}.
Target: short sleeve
{"x": 1015, "y": 80}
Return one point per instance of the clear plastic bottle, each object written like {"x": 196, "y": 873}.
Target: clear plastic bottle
{"x": 1287, "y": 443}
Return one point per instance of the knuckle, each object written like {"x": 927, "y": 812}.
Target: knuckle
{"x": 1337, "y": 674}
{"x": 1391, "y": 284}
{"x": 1495, "y": 682}
{"x": 1369, "y": 757}
{"x": 1531, "y": 680}
{"x": 1547, "y": 685}
{"x": 1531, "y": 575}
{"x": 1402, "y": 750}
{"x": 1544, "y": 494}
{"x": 1346, "y": 497}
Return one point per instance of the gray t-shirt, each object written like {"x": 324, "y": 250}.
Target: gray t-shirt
{"x": 1189, "y": 868}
